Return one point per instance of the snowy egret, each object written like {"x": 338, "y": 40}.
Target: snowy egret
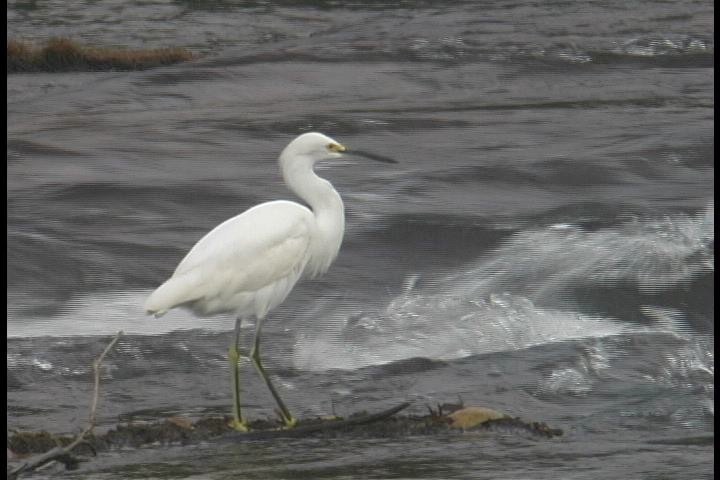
{"x": 249, "y": 264}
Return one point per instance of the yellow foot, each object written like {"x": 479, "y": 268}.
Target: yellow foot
{"x": 239, "y": 425}
{"x": 290, "y": 422}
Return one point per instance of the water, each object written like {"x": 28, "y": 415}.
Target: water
{"x": 545, "y": 246}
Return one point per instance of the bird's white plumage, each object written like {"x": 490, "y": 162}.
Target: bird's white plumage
{"x": 246, "y": 265}
{"x": 249, "y": 264}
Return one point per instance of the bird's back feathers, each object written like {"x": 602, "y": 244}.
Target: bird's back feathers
{"x": 246, "y": 265}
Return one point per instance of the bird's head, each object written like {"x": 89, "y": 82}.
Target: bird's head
{"x": 314, "y": 146}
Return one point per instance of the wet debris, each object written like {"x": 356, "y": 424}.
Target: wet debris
{"x": 183, "y": 430}
{"x": 43, "y": 447}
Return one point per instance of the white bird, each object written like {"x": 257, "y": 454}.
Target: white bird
{"x": 249, "y": 264}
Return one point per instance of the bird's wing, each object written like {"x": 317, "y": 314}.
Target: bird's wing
{"x": 247, "y": 252}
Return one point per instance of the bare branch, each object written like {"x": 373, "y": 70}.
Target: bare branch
{"x": 62, "y": 454}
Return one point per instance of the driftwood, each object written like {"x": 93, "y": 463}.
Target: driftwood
{"x": 447, "y": 418}
{"x": 320, "y": 425}
{"x": 63, "y": 453}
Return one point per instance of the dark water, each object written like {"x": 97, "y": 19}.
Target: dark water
{"x": 544, "y": 247}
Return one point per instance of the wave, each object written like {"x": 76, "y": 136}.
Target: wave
{"x": 654, "y": 255}
{"x": 521, "y": 295}
{"x": 106, "y": 314}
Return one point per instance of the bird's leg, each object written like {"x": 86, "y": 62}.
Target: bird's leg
{"x": 234, "y": 357}
{"x": 289, "y": 420}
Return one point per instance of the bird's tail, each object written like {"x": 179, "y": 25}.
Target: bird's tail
{"x": 174, "y": 292}
{"x": 152, "y": 305}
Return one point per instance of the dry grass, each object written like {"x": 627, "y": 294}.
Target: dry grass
{"x": 64, "y": 55}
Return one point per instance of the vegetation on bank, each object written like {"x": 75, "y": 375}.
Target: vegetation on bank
{"x": 65, "y": 55}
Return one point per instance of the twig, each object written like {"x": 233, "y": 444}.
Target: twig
{"x": 62, "y": 454}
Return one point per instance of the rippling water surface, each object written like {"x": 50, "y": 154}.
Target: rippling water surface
{"x": 545, "y": 245}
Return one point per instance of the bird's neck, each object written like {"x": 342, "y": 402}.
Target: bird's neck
{"x": 317, "y": 192}
{"x": 326, "y": 205}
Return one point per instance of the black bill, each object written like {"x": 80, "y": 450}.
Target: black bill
{"x": 371, "y": 156}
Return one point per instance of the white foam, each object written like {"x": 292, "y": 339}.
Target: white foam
{"x": 656, "y": 255}
{"x": 443, "y": 327}
{"x": 108, "y": 313}
{"x": 499, "y": 302}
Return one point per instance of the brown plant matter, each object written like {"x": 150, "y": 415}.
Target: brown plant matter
{"x": 63, "y": 55}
